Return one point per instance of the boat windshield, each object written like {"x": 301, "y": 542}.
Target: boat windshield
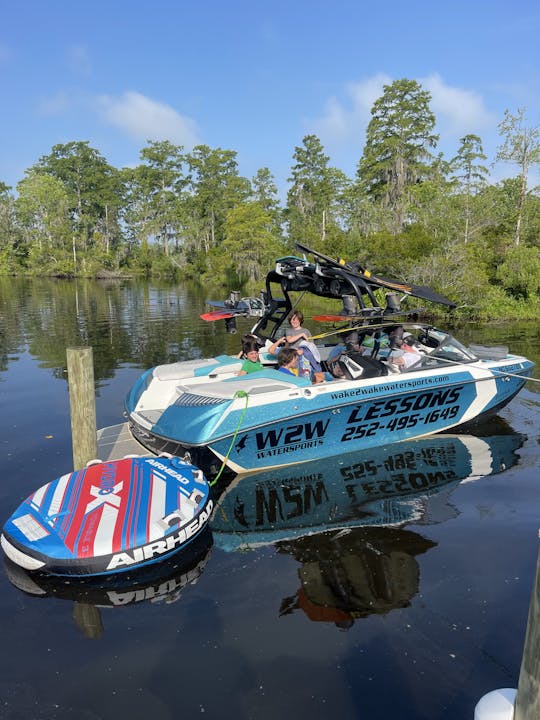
{"x": 447, "y": 349}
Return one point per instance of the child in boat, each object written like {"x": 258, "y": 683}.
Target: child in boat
{"x": 294, "y": 362}
{"x": 288, "y": 361}
{"x": 296, "y": 333}
{"x": 299, "y": 338}
{"x": 247, "y": 338}
{"x": 250, "y": 353}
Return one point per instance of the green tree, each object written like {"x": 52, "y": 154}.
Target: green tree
{"x": 250, "y": 245}
{"x": 215, "y": 188}
{"x": 522, "y": 147}
{"x": 520, "y": 271}
{"x": 397, "y": 153}
{"x": 499, "y": 210}
{"x": 43, "y": 212}
{"x": 12, "y": 249}
{"x": 434, "y": 209}
{"x": 156, "y": 193}
{"x": 94, "y": 188}
{"x": 312, "y": 199}
{"x": 363, "y": 218}
{"x": 264, "y": 191}
{"x": 471, "y": 175}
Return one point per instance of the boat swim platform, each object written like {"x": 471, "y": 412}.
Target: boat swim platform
{"x": 116, "y": 441}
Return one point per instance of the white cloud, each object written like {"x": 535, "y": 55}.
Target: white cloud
{"x": 459, "y": 112}
{"x": 345, "y": 122}
{"x": 145, "y": 119}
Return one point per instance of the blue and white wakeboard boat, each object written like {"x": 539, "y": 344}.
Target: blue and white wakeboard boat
{"x": 268, "y": 419}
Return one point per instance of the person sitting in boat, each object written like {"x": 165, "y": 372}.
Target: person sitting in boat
{"x": 405, "y": 356}
{"x": 250, "y": 353}
{"x": 351, "y": 341}
{"x": 375, "y": 344}
{"x": 305, "y": 363}
{"x": 299, "y": 365}
{"x": 299, "y": 338}
{"x": 288, "y": 361}
{"x": 294, "y": 335}
{"x": 247, "y": 338}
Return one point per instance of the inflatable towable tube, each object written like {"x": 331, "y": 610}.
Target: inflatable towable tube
{"x": 109, "y": 517}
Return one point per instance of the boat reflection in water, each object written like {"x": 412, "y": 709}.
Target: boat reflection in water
{"x": 345, "y": 577}
{"x": 162, "y": 581}
{"x": 342, "y": 520}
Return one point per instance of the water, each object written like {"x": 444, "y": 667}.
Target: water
{"x": 416, "y": 619}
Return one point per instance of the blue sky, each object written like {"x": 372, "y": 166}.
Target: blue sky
{"x": 255, "y": 77}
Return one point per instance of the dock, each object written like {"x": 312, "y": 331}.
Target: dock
{"x": 116, "y": 441}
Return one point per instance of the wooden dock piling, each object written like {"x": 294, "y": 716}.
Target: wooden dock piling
{"x": 527, "y": 704}
{"x": 82, "y": 402}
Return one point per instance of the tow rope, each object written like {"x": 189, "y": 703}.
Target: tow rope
{"x": 237, "y": 394}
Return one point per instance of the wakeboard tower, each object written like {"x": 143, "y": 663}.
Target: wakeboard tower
{"x": 326, "y": 277}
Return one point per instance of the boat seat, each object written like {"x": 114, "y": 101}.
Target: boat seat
{"x": 355, "y": 366}
{"x": 262, "y": 381}
{"x": 184, "y": 369}
{"x": 265, "y": 378}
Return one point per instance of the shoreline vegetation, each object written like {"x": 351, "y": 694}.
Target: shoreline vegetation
{"x": 408, "y": 213}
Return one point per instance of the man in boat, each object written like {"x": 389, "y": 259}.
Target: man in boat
{"x": 406, "y": 355}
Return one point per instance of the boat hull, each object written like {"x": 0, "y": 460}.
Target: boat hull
{"x": 252, "y": 423}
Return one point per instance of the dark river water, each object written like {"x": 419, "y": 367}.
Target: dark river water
{"x": 389, "y": 585}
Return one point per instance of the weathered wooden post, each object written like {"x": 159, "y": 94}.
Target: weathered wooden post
{"x": 528, "y": 695}
{"x": 82, "y": 402}
{"x": 523, "y": 704}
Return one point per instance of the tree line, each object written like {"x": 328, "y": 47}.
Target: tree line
{"x": 408, "y": 213}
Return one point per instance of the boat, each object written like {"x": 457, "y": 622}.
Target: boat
{"x": 109, "y": 518}
{"x": 202, "y": 409}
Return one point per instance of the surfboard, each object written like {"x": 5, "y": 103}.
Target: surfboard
{"x": 109, "y": 517}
